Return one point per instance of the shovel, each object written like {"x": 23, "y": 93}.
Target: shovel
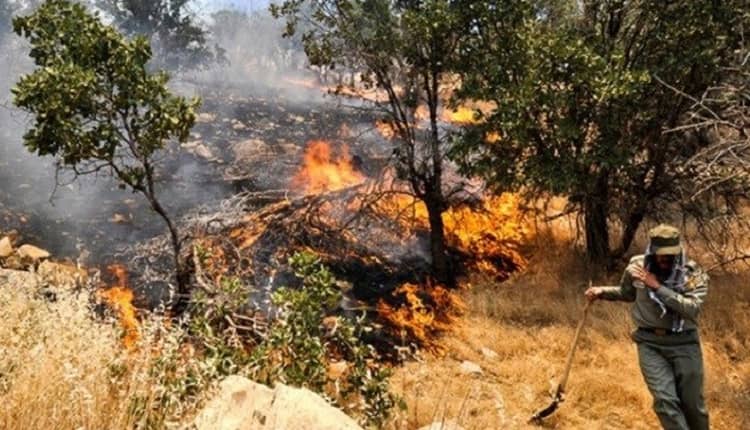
{"x": 559, "y": 395}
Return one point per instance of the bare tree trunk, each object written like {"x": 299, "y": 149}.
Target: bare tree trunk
{"x": 434, "y": 198}
{"x": 183, "y": 291}
{"x": 596, "y": 213}
{"x": 635, "y": 218}
{"x": 438, "y": 249}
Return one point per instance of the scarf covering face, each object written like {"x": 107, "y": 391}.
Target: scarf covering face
{"x": 675, "y": 281}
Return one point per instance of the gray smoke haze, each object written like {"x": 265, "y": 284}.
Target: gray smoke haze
{"x": 66, "y": 216}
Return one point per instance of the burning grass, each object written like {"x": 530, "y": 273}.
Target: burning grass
{"x": 420, "y": 313}
{"x": 120, "y": 298}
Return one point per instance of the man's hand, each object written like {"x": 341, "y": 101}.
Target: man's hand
{"x": 593, "y": 293}
{"x": 648, "y": 278}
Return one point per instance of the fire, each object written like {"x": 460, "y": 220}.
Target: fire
{"x": 463, "y": 115}
{"x": 466, "y": 114}
{"x": 492, "y": 137}
{"x": 385, "y": 129}
{"x": 487, "y": 236}
{"x": 322, "y": 171}
{"x": 120, "y": 298}
{"x": 418, "y": 313}
{"x": 490, "y": 235}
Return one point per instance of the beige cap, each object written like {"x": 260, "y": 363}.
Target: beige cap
{"x": 665, "y": 240}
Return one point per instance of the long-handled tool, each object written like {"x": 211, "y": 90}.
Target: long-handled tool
{"x": 559, "y": 395}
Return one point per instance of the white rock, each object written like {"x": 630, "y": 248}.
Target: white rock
{"x": 471, "y": 368}
{"x": 31, "y": 252}
{"x": 242, "y": 404}
{"x": 488, "y": 353}
{"x": 6, "y": 247}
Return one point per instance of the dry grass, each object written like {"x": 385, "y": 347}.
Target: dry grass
{"x": 529, "y": 322}
{"x": 62, "y": 367}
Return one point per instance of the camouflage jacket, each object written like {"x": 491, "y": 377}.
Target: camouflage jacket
{"x": 647, "y": 313}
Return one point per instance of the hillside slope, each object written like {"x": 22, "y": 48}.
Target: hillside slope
{"x": 529, "y": 323}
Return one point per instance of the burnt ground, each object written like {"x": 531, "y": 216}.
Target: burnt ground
{"x": 242, "y": 142}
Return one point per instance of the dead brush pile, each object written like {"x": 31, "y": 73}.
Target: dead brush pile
{"x": 374, "y": 240}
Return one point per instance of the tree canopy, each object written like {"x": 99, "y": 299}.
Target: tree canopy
{"x": 96, "y": 106}
{"x": 584, "y": 99}
{"x": 177, "y": 38}
{"x": 407, "y": 50}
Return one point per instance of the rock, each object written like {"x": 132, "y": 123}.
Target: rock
{"x": 242, "y": 404}
{"x": 204, "y": 152}
{"x": 471, "y": 368}
{"x": 205, "y": 117}
{"x": 32, "y": 253}
{"x": 6, "y": 247}
{"x": 118, "y": 218}
{"x": 251, "y": 150}
{"x": 445, "y": 425}
{"x": 488, "y": 353}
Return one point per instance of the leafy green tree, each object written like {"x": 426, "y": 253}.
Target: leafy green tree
{"x": 407, "y": 50}
{"x": 96, "y": 106}
{"x": 179, "y": 41}
{"x": 584, "y": 99}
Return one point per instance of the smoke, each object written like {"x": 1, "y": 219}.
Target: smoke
{"x": 92, "y": 214}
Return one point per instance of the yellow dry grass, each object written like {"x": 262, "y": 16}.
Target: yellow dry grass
{"x": 529, "y": 323}
{"x": 63, "y": 367}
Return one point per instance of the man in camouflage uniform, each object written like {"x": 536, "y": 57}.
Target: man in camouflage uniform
{"x": 668, "y": 291}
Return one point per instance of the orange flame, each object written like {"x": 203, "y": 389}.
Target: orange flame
{"x": 385, "y": 129}
{"x": 489, "y": 234}
{"x": 419, "y": 313}
{"x": 322, "y": 171}
{"x": 120, "y": 298}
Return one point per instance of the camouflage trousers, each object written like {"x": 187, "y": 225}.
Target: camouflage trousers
{"x": 672, "y": 366}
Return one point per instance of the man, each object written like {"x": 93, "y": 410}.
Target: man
{"x": 668, "y": 291}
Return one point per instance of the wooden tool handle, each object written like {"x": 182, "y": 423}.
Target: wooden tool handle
{"x": 569, "y": 362}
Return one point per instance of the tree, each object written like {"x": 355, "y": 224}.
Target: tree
{"x": 407, "y": 50}
{"x": 583, "y": 105}
{"x": 170, "y": 27}
{"x": 96, "y": 106}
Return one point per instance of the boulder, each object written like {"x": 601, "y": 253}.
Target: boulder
{"x": 242, "y": 404}
{"x": 32, "y": 253}
{"x": 6, "y": 247}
